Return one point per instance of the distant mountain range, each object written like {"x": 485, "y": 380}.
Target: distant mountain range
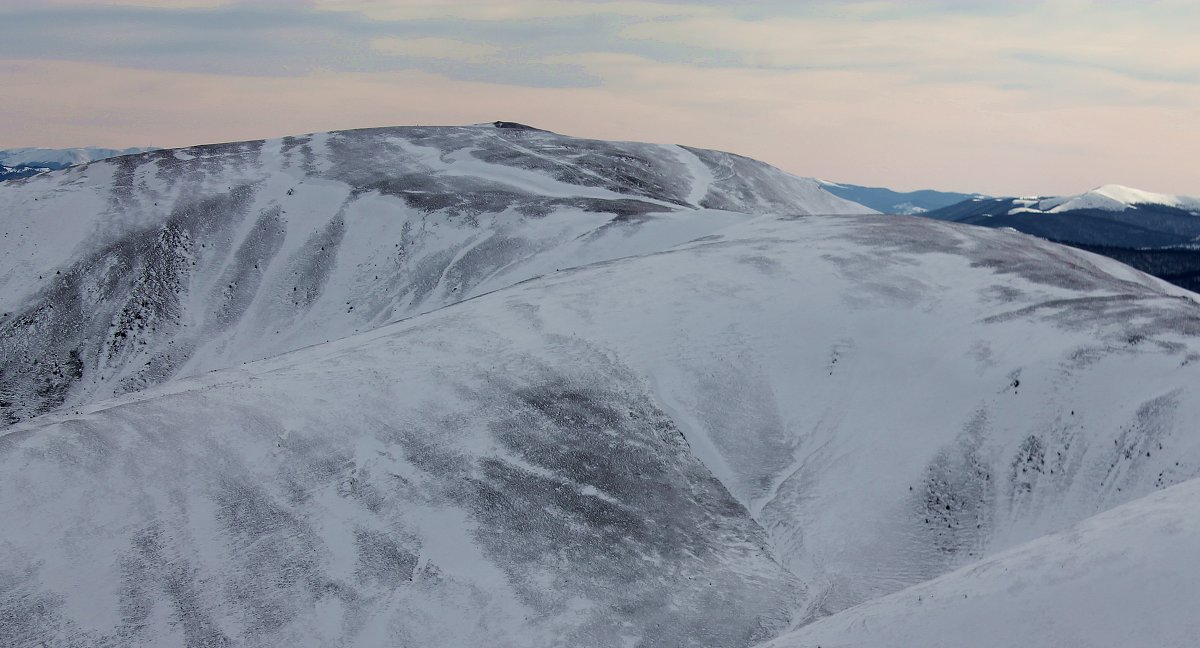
{"x": 1108, "y": 215}
{"x": 1156, "y": 233}
{"x": 26, "y": 162}
{"x": 887, "y": 201}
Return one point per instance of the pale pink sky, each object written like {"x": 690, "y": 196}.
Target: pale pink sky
{"x": 998, "y": 97}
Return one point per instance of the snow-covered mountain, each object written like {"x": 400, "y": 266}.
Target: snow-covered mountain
{"x": 123, "y": 273}
{"x": 1109, "y": 215}
{"x": 1156, "y": 233}
{"x": 887, "y": 201}
{"x": 1110, "y": 198}
{"x": 600, "y": 394}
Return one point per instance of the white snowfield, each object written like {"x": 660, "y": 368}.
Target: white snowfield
{"x": 1118, "y": 579}
{"x": 715, "y": 429}
{"x": 1109, "y": 197}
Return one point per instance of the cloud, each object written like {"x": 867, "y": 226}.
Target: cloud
{"x": 1012, "y": 48}
{"x": 1005, "y": 97}
{"x": 518, "y": 10}
{"x": 153, "y": 4}
{"x": 435, "y": 48}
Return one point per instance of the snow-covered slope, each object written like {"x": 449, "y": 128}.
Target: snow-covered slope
{"x": 1122, "y": 578}
{"x": 61, "y": 158}
{"x": 695, "y": 446}
{"x": 120, "y": 274}
{"x": 1112, "y": 198}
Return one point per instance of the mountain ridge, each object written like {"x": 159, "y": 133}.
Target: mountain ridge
{"x": 520, "y": 343}
{"x": 134, "y": 269}
{"x": 479, "y": 385}
{"x": 1153, "y": 232}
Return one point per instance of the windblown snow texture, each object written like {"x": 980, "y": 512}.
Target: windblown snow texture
{"x": 671, "y": 427}
{"x": 122, "y": 274}
{"x": 1114, "y": 580}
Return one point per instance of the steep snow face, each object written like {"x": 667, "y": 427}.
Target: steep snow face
{"x": 1119, "y": 579}
{"x": 120, "y": 274}
{"x": 59, "y": 158}
{"x": 700, "y": 445}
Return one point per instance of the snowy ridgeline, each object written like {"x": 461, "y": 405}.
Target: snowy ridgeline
{"x": 728, "y": 427}
{"x": 1111, "y": 215}
{"x": 1156, "y": 233}
{"x": 124, "y": 273}
{"x": 1110, "y": 198}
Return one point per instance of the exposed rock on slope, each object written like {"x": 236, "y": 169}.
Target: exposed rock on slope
{"x": 121, "y": 274}
{"x": 694, "y": 446}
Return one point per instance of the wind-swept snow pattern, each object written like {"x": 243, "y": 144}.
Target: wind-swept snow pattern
{"x": 541, "y": 460}
{"x": 121, "y": 274}
{"x": 676, "y": 427}
{"x": 1118, "y": 579}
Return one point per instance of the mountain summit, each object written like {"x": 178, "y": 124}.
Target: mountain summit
{"x": 486, "y": 386}
{"x": 123, "y": 273}
{"x": 1109, "y": 197}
